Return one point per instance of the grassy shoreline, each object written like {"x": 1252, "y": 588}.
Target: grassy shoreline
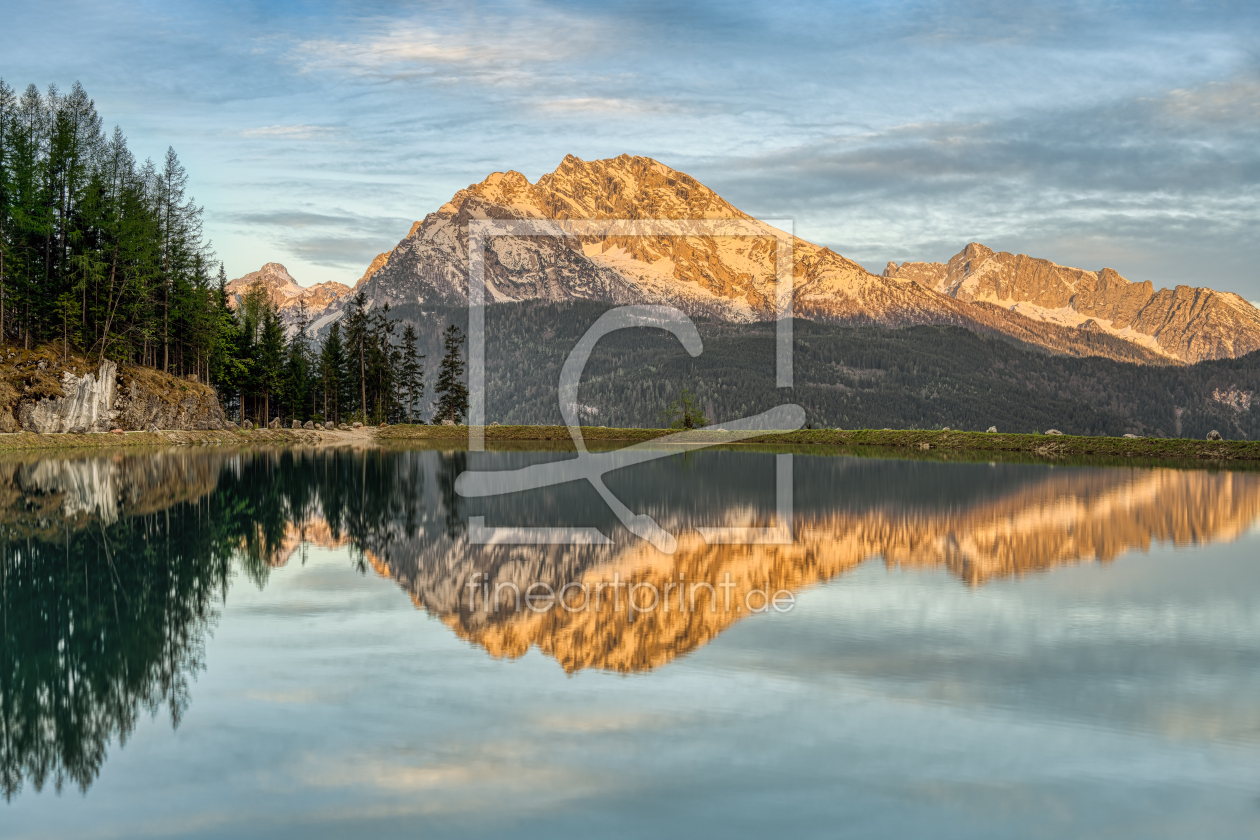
{"x": 915, "y": 440}
{"x": 910, "y": 441}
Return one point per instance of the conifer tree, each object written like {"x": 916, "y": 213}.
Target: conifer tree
{"x": 270, "y": 358}
{"x": 412, "y": 371}
{"x": 332, "y": 372}
{"x": 357, "y": 345}
{"x": 297, "y": 386}
{"x": 451, "y": 391}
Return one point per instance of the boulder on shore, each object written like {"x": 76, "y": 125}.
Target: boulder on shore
{"x": 993, "y": 429}
{"x": 1053, "y": 432}
{"x": 1214, "y": 435}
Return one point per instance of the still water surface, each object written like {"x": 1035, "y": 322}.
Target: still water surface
{"x": 267, "y": 645}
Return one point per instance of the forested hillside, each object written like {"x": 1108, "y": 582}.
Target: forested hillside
{"x": 99, "y": 252}
{"x": 856, "y": 377}
{"x": 103, "y": 257}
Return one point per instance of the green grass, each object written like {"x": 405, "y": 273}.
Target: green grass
{"x": 1052, "y": 446}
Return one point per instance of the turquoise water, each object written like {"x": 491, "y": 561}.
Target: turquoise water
{"x": 205, "y": 645}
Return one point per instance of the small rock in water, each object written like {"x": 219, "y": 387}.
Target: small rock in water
{"x": 925, "y": 446}
{"x": 1214, "y": 435}
{"x": 993, "y": 429}
{"x": 1053, "y": 432}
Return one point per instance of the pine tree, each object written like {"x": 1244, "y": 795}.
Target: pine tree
{"x": 412, "y": 372}
{"x": 451, "y": 391}
{"x": 332, "y": 373}
{"x": 685, "y": 413}
{"x": 357, "y": 345}
{"x": 270, "y": 358}
{"x": 297, "y": 384}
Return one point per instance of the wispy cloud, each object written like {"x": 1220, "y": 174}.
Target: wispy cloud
{"x": 480, "y": 48}
{"x": 289, "y": 132}
{"x": 607, "y": 105}
{"x": 340, "y": 240}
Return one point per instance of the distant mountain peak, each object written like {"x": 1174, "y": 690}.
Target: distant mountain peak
{"x": 1186, "y": 323}
{"x": 285, "y": 292}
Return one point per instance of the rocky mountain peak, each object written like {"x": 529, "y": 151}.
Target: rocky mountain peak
{"x": 1187, "y": 323}
{"x": 285, "y": 293}
{"x": 733, "y": 276}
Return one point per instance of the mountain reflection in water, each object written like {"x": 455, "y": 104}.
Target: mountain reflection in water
{"x": 114, "y": 568}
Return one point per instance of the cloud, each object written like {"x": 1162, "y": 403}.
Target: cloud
{"x": 606, "y": 105}
{"x": 339, "y": 240}
{"x": 353, "y": 253}
{"x": 290, "y": 132}
{"x": 1221, "y": 102}
{"x": 480, "y": 47}
{"x": 1170, "y": 183}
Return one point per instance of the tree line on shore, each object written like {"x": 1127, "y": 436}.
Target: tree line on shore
{"x": 365, "y": 368}
{"x": 103, "y": 256}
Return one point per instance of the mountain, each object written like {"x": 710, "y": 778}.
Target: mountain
{"x": 285, "y": 292}
{"x": 1188, "y": 323}
{"x": 732, "y": 277}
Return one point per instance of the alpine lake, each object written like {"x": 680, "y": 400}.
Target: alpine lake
{"x": 340, "y": 642}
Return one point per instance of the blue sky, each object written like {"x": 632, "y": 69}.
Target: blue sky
{"x": 1117, "y": 134}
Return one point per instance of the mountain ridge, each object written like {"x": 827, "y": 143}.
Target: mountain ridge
{"x": 733, "y": 277}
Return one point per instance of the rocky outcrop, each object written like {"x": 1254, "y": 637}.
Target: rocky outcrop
{"x": 1187, "y": 323}
{"x": 150, "y": 398}
{"x": 133, "y": 400}
{"x": 87, "y": 406}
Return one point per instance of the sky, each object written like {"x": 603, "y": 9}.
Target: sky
{"x": 1119, "y": 134}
